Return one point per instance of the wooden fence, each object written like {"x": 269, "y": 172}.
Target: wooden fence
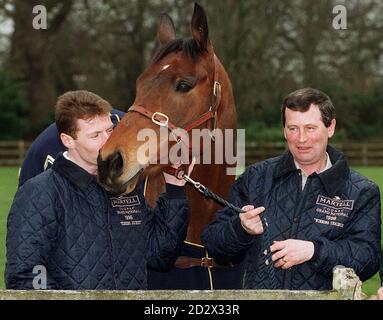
{"x": 346, "y": 286}
{"x": 12, "y": 153}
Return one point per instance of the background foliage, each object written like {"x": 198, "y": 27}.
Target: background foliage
{"x": 269, "y": 48}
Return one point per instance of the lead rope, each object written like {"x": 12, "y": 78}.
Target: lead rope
{"x": 266, "y": 237}
{"x": 268, "y": 259}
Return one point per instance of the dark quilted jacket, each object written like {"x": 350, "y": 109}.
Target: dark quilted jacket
{"x": 381, "y": 268}
{"x": 343, "y": 232}
{"x": 86, "y": 239}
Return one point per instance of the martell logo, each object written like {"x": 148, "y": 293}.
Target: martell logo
{"x": 335, "y": 203}
{"x": 125, "y": 201}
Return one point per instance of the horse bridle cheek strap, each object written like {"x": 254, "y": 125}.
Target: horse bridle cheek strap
{"x": 162, "y": 119}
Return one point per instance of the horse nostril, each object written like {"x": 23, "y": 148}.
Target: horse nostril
{"x": 116, "y": 163}
{"x": 110, "y": 168}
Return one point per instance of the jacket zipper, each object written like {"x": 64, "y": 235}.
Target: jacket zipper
{"x": 111, "y": 244}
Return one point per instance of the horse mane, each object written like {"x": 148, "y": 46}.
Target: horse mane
{"x": 186, "y": 45}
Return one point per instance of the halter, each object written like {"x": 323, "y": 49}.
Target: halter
{"x": 162, "y": 119}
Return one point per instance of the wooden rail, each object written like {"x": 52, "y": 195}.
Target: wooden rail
{"x": 346, "y": 286}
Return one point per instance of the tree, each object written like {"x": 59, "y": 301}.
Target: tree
{"x": 30, "y": 54}
{"x": 13, "y": 108}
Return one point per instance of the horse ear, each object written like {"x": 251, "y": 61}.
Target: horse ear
{"x": 199, "y": 28}
{"x": 166, "y": 31}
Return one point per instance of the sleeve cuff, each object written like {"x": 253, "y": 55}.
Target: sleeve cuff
{"x": 317, "y": 246}
{"x": 174, "y": 191}
{"x": 241, "y": 233}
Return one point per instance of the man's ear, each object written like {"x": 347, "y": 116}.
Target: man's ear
{"x": 331, "y": 128}
{"x": 67, "y": 140}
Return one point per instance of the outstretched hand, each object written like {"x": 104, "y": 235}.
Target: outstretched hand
{"x": 250, "y": 220}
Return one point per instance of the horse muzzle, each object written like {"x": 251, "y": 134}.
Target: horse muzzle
{"x": 111, "y": 174}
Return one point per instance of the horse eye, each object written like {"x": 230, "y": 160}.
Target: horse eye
{"x": 182, "y": 86}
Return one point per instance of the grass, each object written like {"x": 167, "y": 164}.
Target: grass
{"x": 8, "y": 185}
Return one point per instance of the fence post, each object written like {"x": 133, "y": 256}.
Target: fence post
{"x": 365, "y": 154}
{"x": 347, "y": 283}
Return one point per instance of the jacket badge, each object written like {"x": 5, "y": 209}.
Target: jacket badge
{"x": 333, "y": 211}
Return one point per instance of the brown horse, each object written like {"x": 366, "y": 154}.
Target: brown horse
{"x": 185, "y": 86}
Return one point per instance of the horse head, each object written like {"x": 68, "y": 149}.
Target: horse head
{"x": 181, "y": 88}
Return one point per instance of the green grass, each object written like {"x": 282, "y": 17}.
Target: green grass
{"x": 8, "y": 185}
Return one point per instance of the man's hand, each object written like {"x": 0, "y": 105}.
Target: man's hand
{"x": 178, "y": 182}
{"x": 291, "y": 252}
{"x": 380, "y": 293}
{"x": 250, "y": 220}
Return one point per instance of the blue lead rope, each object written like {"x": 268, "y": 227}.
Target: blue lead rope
{"x": 268, "y": 263}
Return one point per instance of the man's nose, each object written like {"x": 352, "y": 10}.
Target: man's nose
{"x": 302, "y": 136}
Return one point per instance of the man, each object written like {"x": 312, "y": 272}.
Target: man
{"x": 66, "y": 232}
{"x": 319, "y": 212}
{"x": 46, "y": 147}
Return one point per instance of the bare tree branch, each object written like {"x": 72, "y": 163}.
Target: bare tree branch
{"x": 58, "y": 20}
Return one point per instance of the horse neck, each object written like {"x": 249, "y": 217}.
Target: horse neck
{"x": 213, "y": 176}
{"x": 227, "y": 114}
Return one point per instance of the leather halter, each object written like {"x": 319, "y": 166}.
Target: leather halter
{"x": 162, "y": 119}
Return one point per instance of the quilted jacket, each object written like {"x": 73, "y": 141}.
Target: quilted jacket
{"x": 338, "y": 209}
{"x": 86, "y": 239}
{"x": 381, "y": 268}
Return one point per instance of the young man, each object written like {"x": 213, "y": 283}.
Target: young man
{"x": 66, "y": 232}
{"x": 46, "y": 147}
{"x": 320, "y": 213}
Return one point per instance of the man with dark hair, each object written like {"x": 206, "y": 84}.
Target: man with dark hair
{"x": 66, "y": 232}
{"x": 46, "y": 147}
{"x": 319, "y": 212}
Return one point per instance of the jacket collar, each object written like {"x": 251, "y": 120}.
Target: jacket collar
{"x": 74, "y": 173}
{"x": 332, "y": 179}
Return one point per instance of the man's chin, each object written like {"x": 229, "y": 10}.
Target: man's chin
{"x": 304, "y": 159}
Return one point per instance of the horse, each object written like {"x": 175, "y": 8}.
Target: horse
{"x": 185, "y": 86}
